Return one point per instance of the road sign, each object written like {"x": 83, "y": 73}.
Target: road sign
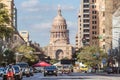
{"x": 104, "y": 61}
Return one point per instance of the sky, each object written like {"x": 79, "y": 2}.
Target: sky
{"x": 36, "y": 17}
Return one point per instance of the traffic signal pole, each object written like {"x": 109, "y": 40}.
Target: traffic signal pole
{"x": 119, "y": 54}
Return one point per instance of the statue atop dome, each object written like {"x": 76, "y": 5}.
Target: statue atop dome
{"x": 59, "y": 11}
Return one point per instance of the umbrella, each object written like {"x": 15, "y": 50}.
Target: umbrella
{"x": 41, "y": 64}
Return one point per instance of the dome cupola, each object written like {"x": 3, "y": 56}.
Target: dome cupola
{"x": 59, "y": 20}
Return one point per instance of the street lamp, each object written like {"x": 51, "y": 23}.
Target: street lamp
{"x": 17, "y": 56}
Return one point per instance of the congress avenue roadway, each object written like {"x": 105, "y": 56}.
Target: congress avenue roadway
{"x": 73, "y": 76}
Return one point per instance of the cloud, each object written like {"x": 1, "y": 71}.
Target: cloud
{"x": 35, "y": 5}
{"x": 71, "y": 24}
{"x": 41, "y": 26}
{"x": 30, "y": 3}
{"x": 68, "y": 7}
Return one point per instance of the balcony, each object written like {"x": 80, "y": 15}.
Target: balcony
{"x": 86, "y": 27}
{"x": 86, "y": 32}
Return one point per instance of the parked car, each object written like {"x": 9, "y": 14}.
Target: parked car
{"x": 1, "y": 71}
{"x": 50, "y": 70}
{"x": 18, "y": 72}
{"x": 109, "y": 70}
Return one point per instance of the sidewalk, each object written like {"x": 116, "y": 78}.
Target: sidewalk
{"x": 106, "y": 74}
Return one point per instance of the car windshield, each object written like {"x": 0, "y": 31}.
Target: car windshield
{"x": 65, "y": 66}
{"x": 16, "y": 68}
{"x": 50, "y": 67}
{"x": 59, "y": 66}
{"x": 1, "y": 69}
{"x": 23, "y": 65}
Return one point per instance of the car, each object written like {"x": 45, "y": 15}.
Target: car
{"x": 109, "y": 70}
{"x": 50, "y": 70}
{"x": 67, "y": 69}
{"x": 25, "y": 68}
{"x": 6, "y": 71}
{"x": 27, "y": 72}
{"x": 18, "y": 72}
{"x": 1, "y": 71}
{"x": 59, "y": 69}
{"x": 31, "y": 71}
{"x": 84, "y": 69}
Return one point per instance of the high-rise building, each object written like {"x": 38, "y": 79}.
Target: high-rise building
{"x": 59, "y": 46}
{"x": 25, "y": 35}
{"x": 95, "y": 24}
{"x": 12, "y": 11}
{"x": 116, "y": 24}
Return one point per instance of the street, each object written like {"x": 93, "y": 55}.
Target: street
{"x": 74, "y": 76}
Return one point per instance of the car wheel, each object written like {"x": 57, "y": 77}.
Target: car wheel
{"x": 27, "y": 75}
{"x": 44, "y": 74}
{"x": 4, "y": 79}
{"x": 31, "y": 74}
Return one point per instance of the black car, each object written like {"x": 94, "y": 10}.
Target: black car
{"x": 50, "y": 70}
{"x": 109, "y": 70}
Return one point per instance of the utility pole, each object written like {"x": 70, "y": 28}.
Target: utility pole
{"x": 119, "y": 54}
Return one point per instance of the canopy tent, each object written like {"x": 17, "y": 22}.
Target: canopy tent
{"x": 41, "y": 64}
{"x": 57, "y": 64}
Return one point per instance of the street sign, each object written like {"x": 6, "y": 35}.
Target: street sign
{"x": 104, "y": 61}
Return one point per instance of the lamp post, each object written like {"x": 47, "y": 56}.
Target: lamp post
{"x": 17, "y": 56}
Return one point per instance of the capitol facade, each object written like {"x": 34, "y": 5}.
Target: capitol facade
{"x": 59, "y": 46}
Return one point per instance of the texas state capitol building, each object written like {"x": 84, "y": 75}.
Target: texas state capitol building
{"x": 59, "y": 46}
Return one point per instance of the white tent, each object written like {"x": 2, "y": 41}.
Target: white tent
{"x": 57, "y": 64}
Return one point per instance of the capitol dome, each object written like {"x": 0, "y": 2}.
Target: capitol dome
{"x": 59, "y": 20}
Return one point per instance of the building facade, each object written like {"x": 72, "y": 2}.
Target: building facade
{"x": 59, "y": 46}
{"x": 24, "y": 35}
{"x": 116, "y": 25}
{"x": 12, "y": 11}
{"x": 88, "y": 29}
{"x": 16, "y": 39}
{"x": 95, "y": 24}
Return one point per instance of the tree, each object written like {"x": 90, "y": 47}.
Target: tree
{"x": 53, "y": 61}
{"x": 5, "y": 31}
{"x": 91, "y": 55}
{"x": 27, "y": 53}
{"x": 9, "y": 56}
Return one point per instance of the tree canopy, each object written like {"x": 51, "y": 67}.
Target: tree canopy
{"x": 27, "y": 52}
{"x": 91, "y": 55}
{"x": 5, "y": 31}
